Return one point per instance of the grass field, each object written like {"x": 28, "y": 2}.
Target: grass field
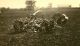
{"x": 68, "y": 36}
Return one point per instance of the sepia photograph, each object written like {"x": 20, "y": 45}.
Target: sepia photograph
{"x": 39, "y": 22}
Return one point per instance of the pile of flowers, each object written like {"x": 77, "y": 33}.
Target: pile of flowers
{"x": 32, "y": 24}
{"x": 39, "y": 24}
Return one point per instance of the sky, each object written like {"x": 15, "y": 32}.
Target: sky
{"x": 39, "y": 3}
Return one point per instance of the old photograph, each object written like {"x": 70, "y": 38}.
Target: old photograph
{"x": 39, "y": 22}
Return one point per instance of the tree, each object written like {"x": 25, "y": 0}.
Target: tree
{"x": 30, "y": 5}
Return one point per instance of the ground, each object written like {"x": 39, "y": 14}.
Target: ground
{"x": 68, "y": 36}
